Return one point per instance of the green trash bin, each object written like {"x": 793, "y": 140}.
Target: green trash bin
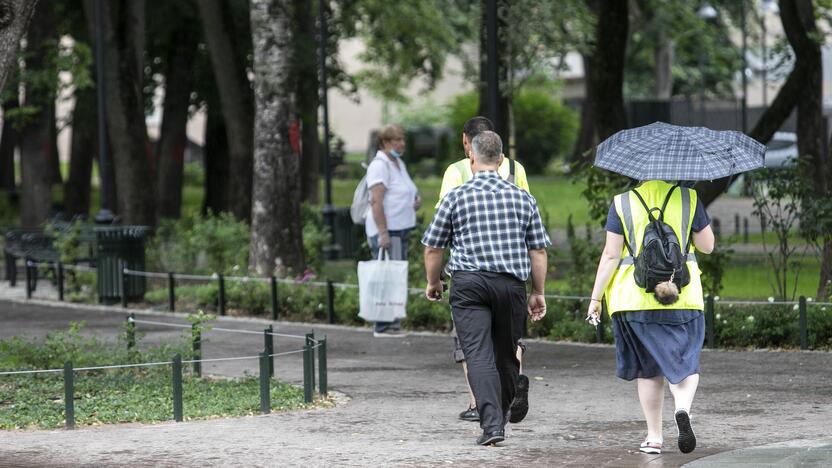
{"x": 348, "y": 235}
{"x": 117, "y": 248}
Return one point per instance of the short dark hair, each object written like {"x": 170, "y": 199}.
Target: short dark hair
{"x": 476, "y": 125}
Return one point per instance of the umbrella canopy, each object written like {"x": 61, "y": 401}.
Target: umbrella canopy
{"x": 661, "y": 151}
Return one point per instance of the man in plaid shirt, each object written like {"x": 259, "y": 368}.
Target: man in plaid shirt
{"x": 497, "y": 239}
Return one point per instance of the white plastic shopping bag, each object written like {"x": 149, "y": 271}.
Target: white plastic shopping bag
{"x": 382, "y": 289}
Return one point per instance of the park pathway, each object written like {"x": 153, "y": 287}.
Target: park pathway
{"x": 399, "y": 398}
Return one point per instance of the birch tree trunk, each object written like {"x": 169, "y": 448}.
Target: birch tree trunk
{"x": 14, "y": 19}
{"x": 276, "y": 235}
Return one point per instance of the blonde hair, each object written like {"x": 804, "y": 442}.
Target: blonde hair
{"x": 388, "y": 133}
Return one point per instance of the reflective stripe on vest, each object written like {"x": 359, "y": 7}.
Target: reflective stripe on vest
{"x": 623, "y": 294}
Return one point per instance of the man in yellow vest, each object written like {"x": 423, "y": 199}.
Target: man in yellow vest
{"x": 656, "y": 337}
{"x": 455, "y": 175}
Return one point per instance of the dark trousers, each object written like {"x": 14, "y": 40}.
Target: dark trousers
{"x": 485, "y": 307}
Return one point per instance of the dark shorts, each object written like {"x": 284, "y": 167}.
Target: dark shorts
{"x": 654, "y": 343}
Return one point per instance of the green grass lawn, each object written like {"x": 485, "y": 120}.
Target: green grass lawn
{"x": 556, "y": 195}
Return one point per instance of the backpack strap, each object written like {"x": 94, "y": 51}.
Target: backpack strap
{"x": 687, "y": 234}
{"x": 646, "y": 208}
{"x": 664, "y": 205}
{"x": 511, "y": 170}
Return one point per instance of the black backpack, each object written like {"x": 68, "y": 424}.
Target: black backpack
{"x": 661, "y": 257}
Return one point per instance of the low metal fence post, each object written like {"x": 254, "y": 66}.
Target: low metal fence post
{"x": 60, "y": 279}
{"x": 710, "y": 320}
{"x": 11, "y": 269}
{"x": 330, "y": 300}
{"x": 310, "y": 341}
{"x": 273, "y": 291}
{"x": 177, "y": 387}
{"x": 717, "y": 227}
{"x": 265, "y": 396}
{"x": 171, "y": 292}
{"x": 322, "y": 383}
{"x": 131, "y": 332}
{"x": 196, "y": 337}
{"x": 124, "y": 279}
{"x": 69, "y": 395}
{"x": 221, "y": 294}
{"x": 737, "y": 224}
{"x": 804, "y": 341}
{"x": 307, "y": 373}
{"x": 745, "y": 230}
{"x": 268, "y": 346}
{"x": 28, "y": 271}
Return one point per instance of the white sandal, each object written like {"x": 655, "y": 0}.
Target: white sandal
{"x": 651, "y": 447}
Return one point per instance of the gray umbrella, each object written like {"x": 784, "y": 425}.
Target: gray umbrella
{"x": 661, "y": 151}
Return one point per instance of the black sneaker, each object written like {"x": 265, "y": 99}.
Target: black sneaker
{"x": 520, "y": 404}
{"x": 471, "y": 414}
{"x": 687, "y": 439}
{"x": 491, "y": 438}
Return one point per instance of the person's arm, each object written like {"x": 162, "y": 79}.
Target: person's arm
{"x": 436, "y": 239}
{"x": 610, "y": 258}
{"x": 704, "y": 240}
{"x": 433, "y": 266}
{"x": 537, "y": 301}
{"x": 377, "y": 207}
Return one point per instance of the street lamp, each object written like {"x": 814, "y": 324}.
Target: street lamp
{"x": 105, "y": 213}
{"x": 768, "y": 6}
{"x": 706, "y": 12}
{"x": 332, "y": 250}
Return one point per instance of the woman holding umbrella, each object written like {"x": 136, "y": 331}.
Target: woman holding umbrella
{"x": 657, "y": 321}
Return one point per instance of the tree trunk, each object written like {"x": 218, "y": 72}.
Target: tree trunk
{"x": 170, "y": 149}
{"x": 306, "y": 57}
{"x": 135, "y": 177}
{"x": 38, "y": 134}
{"x": 216, "y": 159}
{"x": 14, "y": 19}
{"x": 771, "y": 120}
{"x": 664, "y": 67}
{"x": 236, "y": 98}
{"x": 83, "y": 150}
{"x": 276, "y": 231}
{"x": 798, "y": 19}
{"x": 586, "y": 134}
{"x": 8, "y": 144}
{"x": 607, "y": 76}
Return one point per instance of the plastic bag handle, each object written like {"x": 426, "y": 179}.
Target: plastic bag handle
{"x": 381, "y": 254}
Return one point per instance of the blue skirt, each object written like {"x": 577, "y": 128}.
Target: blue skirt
{"x": 651, "y": 343}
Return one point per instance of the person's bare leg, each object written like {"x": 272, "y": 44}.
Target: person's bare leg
{"x": 472, "y": 400}
{"x": 684, "y": 391}
{"x": 520, "y": 357}
{"x": 651, "y": 397}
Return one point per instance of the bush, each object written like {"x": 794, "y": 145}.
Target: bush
{"x": 200, "y": 244}
{"x": 544, "y": 128}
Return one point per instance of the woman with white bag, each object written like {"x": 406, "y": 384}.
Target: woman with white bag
{"x": 393, "y": 203}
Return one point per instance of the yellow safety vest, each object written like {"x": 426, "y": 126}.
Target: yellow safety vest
{"x": 623, "y": 294}
{"x": 460, "y": 172}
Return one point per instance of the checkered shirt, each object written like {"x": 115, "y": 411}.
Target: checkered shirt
{"x": 490, "y": 225}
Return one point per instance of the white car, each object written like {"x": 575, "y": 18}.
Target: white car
{"x": 781, "y": 151}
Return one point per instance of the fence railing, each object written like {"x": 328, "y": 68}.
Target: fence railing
{"x": 221, "y": 280}
{"x": 265, "y": 358}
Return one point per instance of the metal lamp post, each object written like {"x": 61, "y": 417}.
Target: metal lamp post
{"x": 706, "y": 12}
{"x": 105, "y": 213}
{"x": 768, "y": 6}
{"x": 333, "y": 249}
